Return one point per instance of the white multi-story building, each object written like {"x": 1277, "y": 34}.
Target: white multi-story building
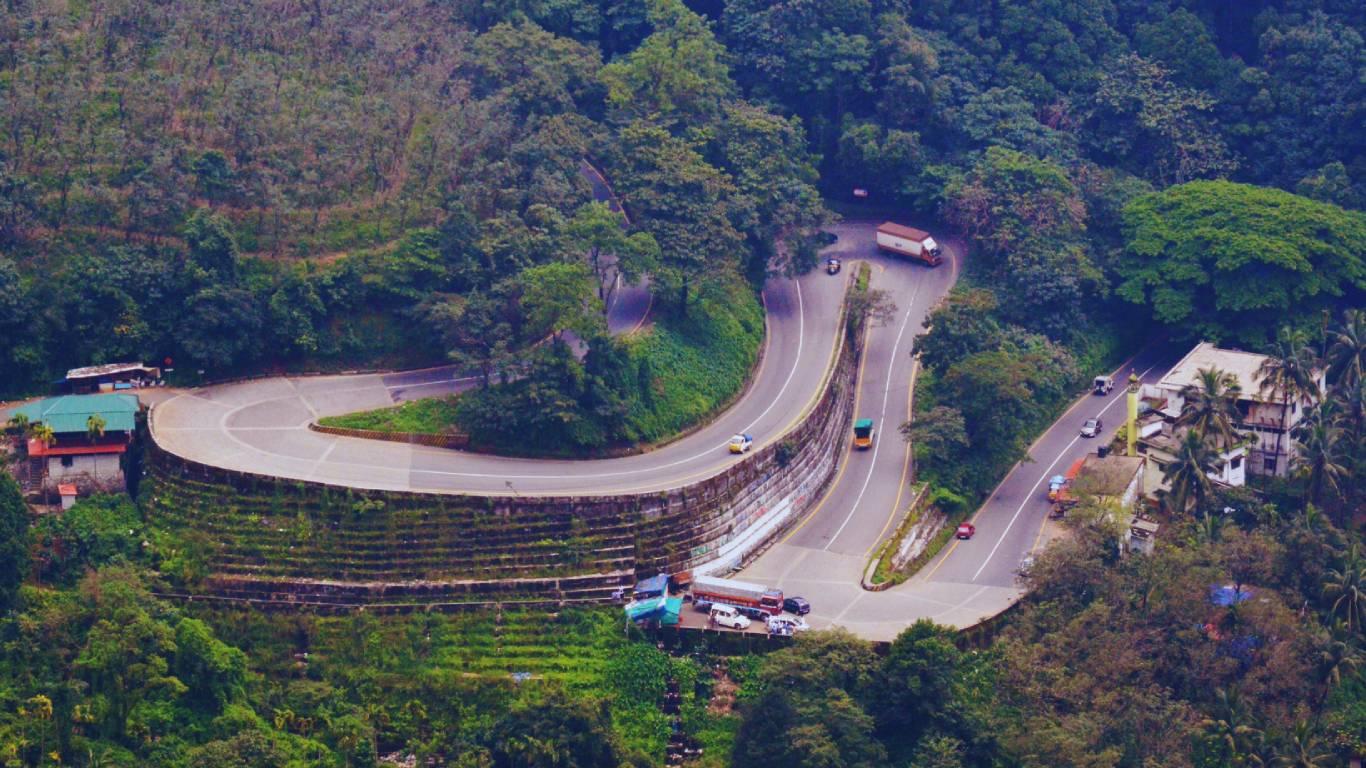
{"x": 1270, "y": 441}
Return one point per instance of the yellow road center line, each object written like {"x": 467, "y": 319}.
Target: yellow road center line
{"x": 844, "y": 461}
{"x": 906, "y": 467}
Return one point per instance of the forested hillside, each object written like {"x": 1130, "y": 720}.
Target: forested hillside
{"x": 262, "y": 185}
{"x": 258, "y": 185}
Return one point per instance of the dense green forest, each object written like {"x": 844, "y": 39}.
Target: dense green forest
{"x": 255, "y": 185}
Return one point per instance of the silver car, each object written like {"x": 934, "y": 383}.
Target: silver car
{"x": 1091, "y": 427}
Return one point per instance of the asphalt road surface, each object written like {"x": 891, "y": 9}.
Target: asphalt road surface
{"x": 261, "y": 426}
{"x": 823, "y": 558}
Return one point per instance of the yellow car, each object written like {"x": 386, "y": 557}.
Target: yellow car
{"x": 741, "y": 443}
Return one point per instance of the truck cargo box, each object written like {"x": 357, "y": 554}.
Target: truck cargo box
{"x": 908, "y": 241}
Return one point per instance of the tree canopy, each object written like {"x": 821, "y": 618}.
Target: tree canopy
{"x": 1232, "y": 261}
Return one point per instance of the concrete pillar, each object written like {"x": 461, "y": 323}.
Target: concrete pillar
{"x": 1131, "y": 422}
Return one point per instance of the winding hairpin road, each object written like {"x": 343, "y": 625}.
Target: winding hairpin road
{"x": 262, "y": 426}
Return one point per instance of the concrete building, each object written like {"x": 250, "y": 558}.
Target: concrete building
{"x": 110, "y": 377}
{"x": 1142, "y": 535}
{"x": 1158, "y": 444}
{"x": 90, "y": 462}
{"x": 1112, "y": 478}
{"x": 1271, "y": 448}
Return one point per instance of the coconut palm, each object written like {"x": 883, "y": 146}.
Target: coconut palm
{"x": 42, "y": 433}
{"x": 1320, "y": 444}
{"x": 1349, "y": 403}
{"x": 1233, "y": 727}
{"x": 94, "y": 427}
{"x": 18, "y": 423}
{"x": 1188, "y": 473}
{"x": 1346, "y": 587}
{"x": 1302, "y": 748}
{"x": 1340, "y": 656}
{"x": 1211, "y": 405}
{"x": 1288, "y": 375}
{"x": 1346, "y": 357}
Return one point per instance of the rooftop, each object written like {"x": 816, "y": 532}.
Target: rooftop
{"x": 69, "y": 413}
{"x": 108, "y": 369}
{"x": 1243, "y": 366}
{"x": 1108, "y": 476}
{"x": 900, "y": 230}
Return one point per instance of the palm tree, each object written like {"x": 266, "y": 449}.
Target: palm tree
{"x": 1340, "y": 656}
{"x": 18, "y": 423}
{"x": 1302, "y": 749}
{"x": 1211, "y": 405}
{"x": 1188, "y": 473}
{"x": 1233, "y": 727}
{"x": 1346, "y": 357}
{"x": 94, "y": 427}
{"x": 1349, "y": 400}
{"x": 1348, "y": 585}
{"x": 43, "y": 433}
{"x": 1287, "y": 375}
{"x": 1319, "y": 446}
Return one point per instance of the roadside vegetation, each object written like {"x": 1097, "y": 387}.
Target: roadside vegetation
{"x": 429, "y": 415}
{"x": 245, "y": 187}
{"x": 640, "y": 389}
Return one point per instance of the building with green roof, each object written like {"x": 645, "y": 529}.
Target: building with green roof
{"x": 90, "y": 435}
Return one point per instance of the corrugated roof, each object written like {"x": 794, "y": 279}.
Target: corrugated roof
{"x": 70, "y": 413}
{"x": 106, "y": 370}
{"x": 900, "y": 230}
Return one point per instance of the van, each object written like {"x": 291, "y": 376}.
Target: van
{"x": 728, "y": 616}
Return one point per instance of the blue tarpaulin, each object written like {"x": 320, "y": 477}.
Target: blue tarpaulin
{"x": 652, "y": 587}
{"x": 673, "y": 606}
{"x": 641, "y": 610}
{"x": 1227, "y": 595}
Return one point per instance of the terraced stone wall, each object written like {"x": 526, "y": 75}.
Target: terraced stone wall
{"x": 283, "y": 542}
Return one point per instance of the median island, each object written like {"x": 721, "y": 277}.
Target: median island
{"x": 625, "y": 393}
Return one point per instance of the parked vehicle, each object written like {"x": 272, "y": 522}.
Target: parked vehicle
{"x": 965, "y": 531}
{"x": 1091, "y": 427}
{"x": 751, "y": 598}
{"x": 832, "y": 266}
{"x": 655, "y": 586}
{"x": 786, "y": 625}
{"x": 907, "y": 241}
{"x": 863, "y": 434}
{"x": 1058, "y": 486}
{"x": 797, "y": 605}
{"x": 1103, "y": 384}
{"x": 741, "y": 443}
{"x": 679, "y": 582}
{"x": 728, "y": 616}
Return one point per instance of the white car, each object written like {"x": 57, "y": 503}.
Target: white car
{"x": 728, "y": 616}
{"x": 786, "y": 625}
{"x": 741, "y": 443}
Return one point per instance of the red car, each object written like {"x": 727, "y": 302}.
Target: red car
{"x": 966, "y": 530}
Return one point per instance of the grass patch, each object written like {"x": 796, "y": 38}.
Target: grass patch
{"x": 673, "y": 376}
{"x": 432, "y": 415}
{"x": 694, "y": 365}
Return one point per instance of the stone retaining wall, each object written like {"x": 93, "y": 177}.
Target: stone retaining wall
{"x": 708, "y": 525}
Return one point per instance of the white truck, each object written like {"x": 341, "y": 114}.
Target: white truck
{"x": 907, "y": 241}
